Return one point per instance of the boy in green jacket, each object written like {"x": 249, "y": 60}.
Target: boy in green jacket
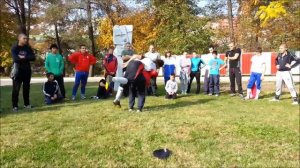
{"x": 54, "y": 63}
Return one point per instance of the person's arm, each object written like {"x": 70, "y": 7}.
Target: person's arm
{"x": 132, "y": 58}
{"x": 30, "y": 55}
{"x": 167, "y": 87}
{"x": 92, "y": 59}
{"x": 276, "y": 62}
{"x": 47, "y": 63}
{"x": 15, "y": 56}
{"x": 236, "y": 56}
{"x": 263, "y": 72}
{"x": 176, "y": 88}
{"x": 62, "y": 64}
{"x": 297, "y": 61}
{"x": 73, "y": 58}
{"x": 45, "y": 90}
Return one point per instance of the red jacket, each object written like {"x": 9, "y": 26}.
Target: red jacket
{"x": 82, "y": 61}
{"x": 110, "y": 63}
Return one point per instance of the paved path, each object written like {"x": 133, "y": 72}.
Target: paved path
{"x": 8, "y": 81}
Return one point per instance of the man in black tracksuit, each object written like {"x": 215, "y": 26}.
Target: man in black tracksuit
{"x": 136, "y": 84}
{"x": 234, "y": 57}
{"x": 22, "y": 54}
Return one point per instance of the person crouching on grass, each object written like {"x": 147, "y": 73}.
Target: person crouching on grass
{"x": 51, "y": 90}
{"x": 214, "y": 74}
{"x": 258, "y": 68}
{"x": 102, "y": 92}
{"x": 171, "y": 88}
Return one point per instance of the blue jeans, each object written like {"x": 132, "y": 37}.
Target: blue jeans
{"x": 80, "y": 77}
{"x": 49, "y": 101}
{"x": 214, "y": 84}
{"x": 255, "y": 78}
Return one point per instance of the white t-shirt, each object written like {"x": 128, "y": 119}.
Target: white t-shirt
{"x": 257, "y": 63}
{"x": 153, "y": 56}
{"x": 171, "y": 86}
{"x": 149, "y": 65}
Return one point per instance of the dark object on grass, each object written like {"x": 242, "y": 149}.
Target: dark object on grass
{"x": 162, "y": 153}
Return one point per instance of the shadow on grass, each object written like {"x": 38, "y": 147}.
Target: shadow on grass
{"x": 54, "y": 107}
{"x": 177, "y": 104}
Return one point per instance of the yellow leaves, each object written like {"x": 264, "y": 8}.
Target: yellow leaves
{"x": 143, "y": 30}
{"x": 274, "y": 10}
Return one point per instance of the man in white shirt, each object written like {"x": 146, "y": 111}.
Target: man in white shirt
{"x": 154, "y": 56}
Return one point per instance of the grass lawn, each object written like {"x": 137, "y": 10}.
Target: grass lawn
{"x": 201, "y": 131}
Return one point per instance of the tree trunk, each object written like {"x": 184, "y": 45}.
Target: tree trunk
{"x": 91, "y": 32}
{"x": 28, "y": 18}
{"x": 229, "y": 6}
{"x": 57, "y": 38}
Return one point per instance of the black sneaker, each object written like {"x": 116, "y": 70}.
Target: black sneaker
{"x": 117, "y": 103}
{"x": 295, "y": 101}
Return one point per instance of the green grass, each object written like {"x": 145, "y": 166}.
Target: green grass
{"x": 201, "y": 131}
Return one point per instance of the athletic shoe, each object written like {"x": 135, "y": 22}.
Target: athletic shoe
{"x": 117, "y": 103}
{"x": 28, "y": 107}
{"x": 232, "y": 94}
{"x": 217, "y": 95}
{"x": 210, "y": 94}
{"x": 295, "y": 101}
{"x": 241, "y": 96}
{"x": 130, "y": 110}
{"x": 15, "y": 109}
{"x": 73, "y": 98}
{"x": 139, "y": 111}
{"x": 82, "y": 97}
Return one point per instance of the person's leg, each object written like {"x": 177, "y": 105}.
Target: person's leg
{"x": 84, "y": 78}
{"x": 192, "y": 75}
{"x": 153, "y": 85}
{"x": 132, "y": 91}
{"x": 15, "y": 91}
{"x": 250, "y": 84}
{"x": 26, "y": 87}
{"x": 288, "y": 79}
{"x": 48, "y": 100}
{"x": 198, "y": 82}
{"x": 77, "y": 83}
{"x": 217, "y": 84}
{"x": 60, "y": 81}
{"x": 206, "y": 82}
{"x": 238, "y": 77}
{"x": 141, "y": 94}
{"x": 258, "y": 85}
{"x": 232, "y": 80}
{"x": 182, "y": 82}
{"x": 211, "y": 84}
{"x": 278, "y": 84}
{"x": 174, "y": 96}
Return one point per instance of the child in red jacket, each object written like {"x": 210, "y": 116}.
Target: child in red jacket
{"x": 82, "y": 60}
{"x": 110, "y": 63}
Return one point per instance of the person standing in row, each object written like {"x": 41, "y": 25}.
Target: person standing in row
{"x": 207, "y": 58}
{"x": 214, "y": 74}
{"x": 234, "y": 57}
{"x": 169, "y": 66}
{"x": 284, "y": 65}
{"x": 54, "y": 63}
{"x": 196, "y": 62}
{"x": 22, "y": 55}
{"x": 82, "y": 60}
{"x": 185, "y": 65}
{"x": 154, "y": 56}
{"x": 258, "y": 68}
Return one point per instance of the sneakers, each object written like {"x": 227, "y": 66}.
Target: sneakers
{"x": 276, "y": 98}
{"x": 295, "y": 101}
{"x": 241, "y": 96}
{"x": 139, "y": 111}
{"x": 217, "y": 95}
{"x": 117, "y": 103}
{"x": 15, "y": 109}
{"x": 82, "y": 97}
{"x": 232, "y": 94}
{"x": 28, "y": 107}
{"x": 210, "y": 94}
{"x": 130, "y": 110}
{"x": 73, "y": 98}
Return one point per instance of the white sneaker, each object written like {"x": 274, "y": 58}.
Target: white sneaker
{"x": 295, "y": 103}
{"x": 82, "y": 97}
{"x": 28, "y": 107}
{"x": 130, "y": 110}
{"x": 138, "y": 111}
{"x": 73, "y": 98}
{"x": 217, "y": 95}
